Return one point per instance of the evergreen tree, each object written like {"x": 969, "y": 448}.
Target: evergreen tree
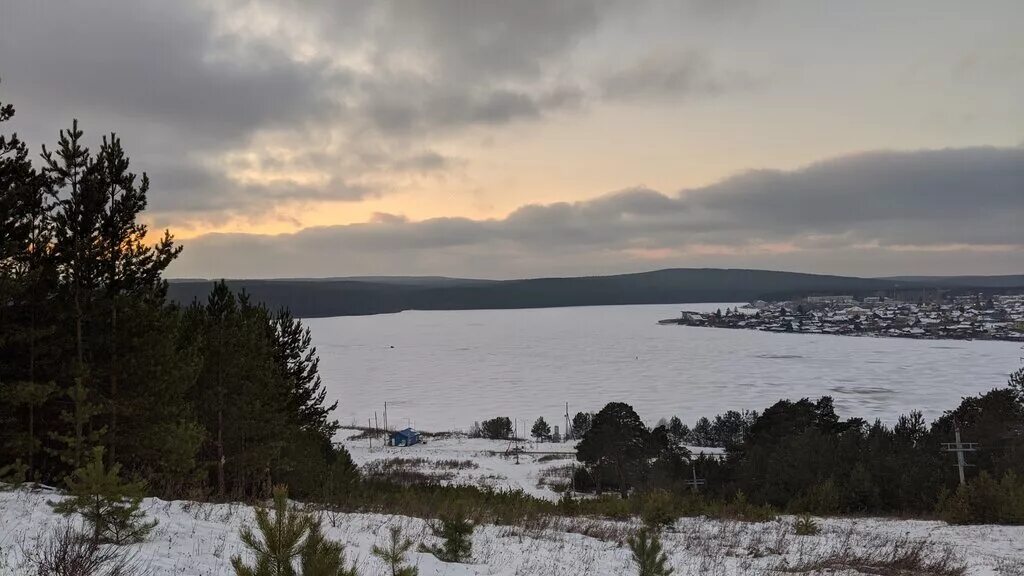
{"x": 648, "y": 555}
{"x": 581, "y": 424}
{"x": 499, "y": 428}
{"x": 617, "y": 442}
{"x": 678, "y": 429}
{"x": 109, "y": 505}
{"x": 457, "y": 533}
{"x": 24, "y": 283}
{"x": 323, "y": 557}
{"x": 541, "y": 430}
{"x": 27, "y": 396}
{"x": 128, "y": 266}
{"x": 393, "y": 554}
{"x": 297, "y": 358}
{"x": 1016, "y": 384}
{"x": 73, "y": 176}
{"x": 280, "y": 541}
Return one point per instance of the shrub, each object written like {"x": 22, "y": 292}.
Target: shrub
{"x": 648, "y": 556}
{"x": 806, "y": 526}
{"x": 658, "y": 508}
{"x": 110, "y": 507}
{"x": 985, "y": 501}
{"x": 822, "y": 498}
{"x": 741, "y": 509}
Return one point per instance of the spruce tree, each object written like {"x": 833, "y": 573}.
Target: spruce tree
{"x": 393, "y": 554}
{"x": 648, "y": 556}
{"x": 109, "y": 505}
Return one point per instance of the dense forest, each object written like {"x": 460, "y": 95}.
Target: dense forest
{"x": 217, "y": 399}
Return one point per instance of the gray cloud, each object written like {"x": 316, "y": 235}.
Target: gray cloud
{"x": 877, "y": 213}
{"x": 185, "y": 83}
{"x": 674, "y": 75}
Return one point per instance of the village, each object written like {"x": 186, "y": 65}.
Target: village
{"x": 963, "y": 317}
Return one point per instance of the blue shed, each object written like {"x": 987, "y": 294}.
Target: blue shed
{"x": 406, "y": 437}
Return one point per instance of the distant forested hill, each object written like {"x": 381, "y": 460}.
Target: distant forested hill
{"x": 375, "y": 295}
{"x": 1008, "y": 281}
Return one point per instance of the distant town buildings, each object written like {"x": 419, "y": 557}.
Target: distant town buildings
{"x": 999, "y": 317}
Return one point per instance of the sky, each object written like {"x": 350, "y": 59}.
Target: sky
{"x": 499, "y": 139}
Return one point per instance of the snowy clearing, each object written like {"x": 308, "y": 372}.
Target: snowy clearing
{"x": 199, "y": 539}
{"x": 540, "y": 469}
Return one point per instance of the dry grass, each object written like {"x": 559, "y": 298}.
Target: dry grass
{"x": 883, "y": 557}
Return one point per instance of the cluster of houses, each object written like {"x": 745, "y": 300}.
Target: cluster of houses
{"x": 963, "y": 317}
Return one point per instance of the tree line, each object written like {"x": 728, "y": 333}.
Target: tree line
{"x": 801, "y": 456}
{"x": 220, "y": 398}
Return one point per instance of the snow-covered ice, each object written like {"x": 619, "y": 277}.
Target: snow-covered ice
{"x": 440, "y": 370}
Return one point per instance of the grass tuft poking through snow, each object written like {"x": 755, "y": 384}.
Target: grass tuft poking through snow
{"x": 198, "y": 539}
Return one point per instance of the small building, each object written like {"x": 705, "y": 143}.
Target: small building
{"x": 406, "y": 437}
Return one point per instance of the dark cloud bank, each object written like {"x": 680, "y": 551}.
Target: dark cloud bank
{"x": 941, "y": 212}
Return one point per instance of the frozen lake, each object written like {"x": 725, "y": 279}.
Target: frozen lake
{"x": 442, "y": 370}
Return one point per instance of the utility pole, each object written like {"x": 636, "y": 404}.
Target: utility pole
{"x": 695, "y": 482}
{"x": 568, "y": 423}
{"x": 960, "y": 448}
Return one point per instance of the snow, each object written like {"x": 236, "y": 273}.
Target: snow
{"x": 199, "y": 540}
{"x": 440, "y": 370}
{"x": 493, "y": 468}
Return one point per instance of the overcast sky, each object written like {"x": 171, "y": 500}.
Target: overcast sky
{"x": 497, "y": 138}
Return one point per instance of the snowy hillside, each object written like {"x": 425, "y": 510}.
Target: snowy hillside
{"x": 199, "y": 539}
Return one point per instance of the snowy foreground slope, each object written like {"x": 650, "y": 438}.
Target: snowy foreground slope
{"x": 199, "y": 539}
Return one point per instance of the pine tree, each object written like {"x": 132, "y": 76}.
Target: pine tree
{"x": 280, "y": 541}
{"x": 24, "y": 283}
{"x": 648, "y": 556}
{"x": 82, "y": 436}
{"x": 619, "y": 442}
{"x": 129, "y": 267}
{"x": 541, "y": 430}
{"x": 28, "y": 396}
{"x": 457, "y": 533}
{"x": 73, "y": 174}
{"x": 290, "y": 536}
{"x": 323, "y": 557}
{"x": 296, "y": 356}
{"x": 1016, "y": 384}
{"x": 393, "y": 555}
{"x": 581, "y": 424}
{"x": 109, "y": 505}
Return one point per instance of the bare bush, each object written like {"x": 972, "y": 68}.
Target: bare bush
{"x": 70, "y": 552}
{"x": 885, "y": 558}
